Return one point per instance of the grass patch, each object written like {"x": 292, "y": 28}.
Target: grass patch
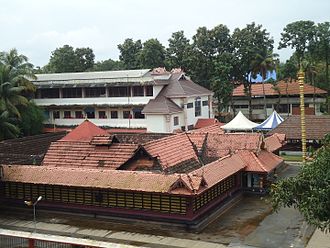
{"x": 292, "y": 158}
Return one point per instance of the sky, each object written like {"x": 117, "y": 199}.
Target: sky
{"x": 37, "y": 27}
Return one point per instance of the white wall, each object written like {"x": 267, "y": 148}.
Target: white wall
{"x": 191, "y": 111}
{"x": 120, "y": 123}
{"x": 180, "y": 124}
{"x": 156, "y": 123}
{"x": 157, "y": 89}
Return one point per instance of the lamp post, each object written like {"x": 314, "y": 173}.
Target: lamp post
{"x": 301, "y": 78}
{"x": 30, "y": 203}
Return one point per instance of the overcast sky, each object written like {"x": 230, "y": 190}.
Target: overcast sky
{"x": 37, "y": 27}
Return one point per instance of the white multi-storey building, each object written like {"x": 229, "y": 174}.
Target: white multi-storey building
{"x": 157, "y": 100}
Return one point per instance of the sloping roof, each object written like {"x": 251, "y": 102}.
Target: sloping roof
{"x": 220, "y": 145}
{"x": 85, "y": 132}
{"x": 239, "y": 123}
{"x": 271, "y": 122}
{"x": 181, "y": 86}
{"x": 205, "y": 122}
{"x": 316, "y": 127}
{"x": 93, "y": 78}
{"x": 215, "y": 128}
{"x": 27, "y": 150}
{"x": 284, "y": 88}
{"x": 95, "y": 178}
{"x": 198, "y": 139}
{"x": 173, "y": 151}
{"x": 274, "y": 142}
{"x": 263, "y": 161}
{"x": 139, "y": 138}
{"x": 161, "y": 105}
{"x": 86, "y": 155}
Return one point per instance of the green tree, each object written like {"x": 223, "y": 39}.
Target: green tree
{"x": 108, "y": 65}
{"x": 129, "y": 53}
{"x": 309, "y": 191}
{"x": 178, "y": 51}
{"x": 208, "y": 48}
{"x": 248, "y": 43}
{"x": 299, "y": 35}
{"x": 262, "y": 64}
{"x": 31, "y": 119}
{"x": 7, "y": 126}
{"x": 152, "y": 54}
{"x": 68, "y": 59}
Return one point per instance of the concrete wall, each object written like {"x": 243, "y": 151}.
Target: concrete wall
{"x": 157, "y": 123}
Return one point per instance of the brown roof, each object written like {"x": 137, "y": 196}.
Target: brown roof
{"x": 139, "y": 138}
{"x": 214, "y": 128}
{"x": 181, "y": 86}
{"x": 205, "y": 122}
{"x": 102, "y": 140}
{"x": 27, "y": 150}
{"x": 161, "y": 105}
{"x": 173, "y": 151}
{"x": 316, "y": 127}
{"x": 219, "y": 145}
{"x": 284, "y": 88}
{"x": 84, "y": 132}
{"x": 83, "y": 154}
{"x": 274, "y": 142}
{"x": 198, "y": 139}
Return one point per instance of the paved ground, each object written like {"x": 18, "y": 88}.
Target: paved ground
{"x": 319, "y": 240}
{"x": 250, "y": 223}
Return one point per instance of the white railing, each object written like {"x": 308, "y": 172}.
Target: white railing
{"x": 121, "y": 123}
{"x": 93, "y": 101}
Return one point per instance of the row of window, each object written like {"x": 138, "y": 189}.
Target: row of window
{"x": 198, "y": 106}
{"x": 101, "y": 114}
{"x": 96, "y": 92}
{"x": 95, "y": 197}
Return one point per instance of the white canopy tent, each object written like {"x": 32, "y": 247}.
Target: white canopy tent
{"x": 271, "y": 122}
{"x": 239, "y": 123}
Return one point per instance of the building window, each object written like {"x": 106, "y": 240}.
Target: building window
{"x": 56, "y": 114}
{"x": 241, "y": 106}
{"x": 127, "y": 114}
{"x": 176, "y": 120}
{"x": 205, "y": 103}
{"x": 257, "y": 106}
{"x": 48, "y": 93}
{"x": 102, "y": 115}
{"x": 67, "y": 114}
{"x": 72, "y": 93}
{"x": 282, "y": 108}
{"x": 198, "y": 109}
{"x": 190, "y": 127}
{"x": 78, "y": 114}
{"x": 138, "y": 114}
{"x": 114, "y": 114}
{"x": 190, "y": 105}
{"x": 90, "y": 112}
{"x": 95, "y": 92}
{"x": 149, "y": 90}
{"x": 138, "y": 91}
{"x": 119, "y": 91}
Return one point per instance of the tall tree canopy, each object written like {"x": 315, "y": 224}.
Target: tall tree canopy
{"x": 152, "y": 54}
{"x": 299, "y": 36}
{"x": 129, "y": 53}
{"x": 178, "y": 51}
{"x": 249, "y": 43}
{"x": 309, "y": 191}
{"x": 68, "y": 59}
{"x": 15, "y": 72}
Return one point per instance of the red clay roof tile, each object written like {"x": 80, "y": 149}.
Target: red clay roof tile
{"x": 205, "y": 122}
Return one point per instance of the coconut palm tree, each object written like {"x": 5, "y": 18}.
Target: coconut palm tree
{"x": 7, "y": 126}
{"x": 262, "y": 64}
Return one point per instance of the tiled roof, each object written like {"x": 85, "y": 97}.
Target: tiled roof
{"x": 139, "y": 138}
{"x": 205, "y": 122}
{"x": 214, "y": 128}
{"x": 284, "y": 88}
{"x": 263, "y": 161}
{"x": 172, "y": 151}
{"x": 219, "y": 145}
{"x": 181, "y": 86}
{"x": 83, "y": 154}
{"x": 84, "y": 132}
{"x": 27, "y": 150}
{"x": 274, "y": 142}
{"x": 95, "y": 178}
{"x": 161, "y": 105}
{"x": 316, "y": 127}
{"x": 198, "y": 139}
{"x": 102, "y": 140}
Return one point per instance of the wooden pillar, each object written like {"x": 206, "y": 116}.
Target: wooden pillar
{"x": 31, "y": 243}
